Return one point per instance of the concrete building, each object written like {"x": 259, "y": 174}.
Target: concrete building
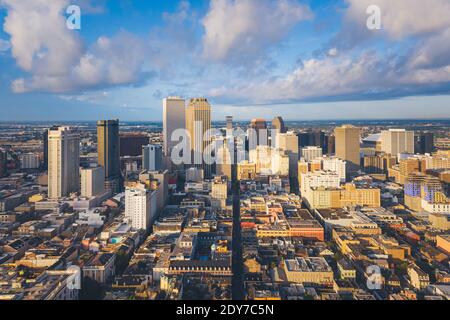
{"x": 313, "y": 270}
{"x": 319, "y": 179}
{"x": 418, "y": 278}
{"x": 163, "y": 184}
{"x": 92, "y": 181}
{"x": 100, "y": 268}
{"x": 174, "y": 118}
{"x": 140, "y": 206}
{"x": 348, "y": 147}
{"x": 246, "y": 170}
{"x": 224, "y": 161}
{"x": 219, "y": 192}
{"x": 311, "y": 153}
{"x": 63, "y": 162}
{"x": 194, "y": 175}
{"x": 152, "y": 157}
{"x": 261, "y": 156}
{"x": 280, "y": 163}
{"x": 353, "y": 196}
{"x": 334, "y": 164}
{"x": 396, "y": 141}
{"x": 29, "y": 160}
{"x": 288, "y": 142}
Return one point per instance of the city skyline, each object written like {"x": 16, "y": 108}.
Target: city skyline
{"x": 254, "y": 155}
{"x": 177, "y": 48}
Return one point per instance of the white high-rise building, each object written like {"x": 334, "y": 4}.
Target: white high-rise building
{"x": 140, "y": 206}
{"x": 311, "y": 153}
{"x": 335, "y": 164}
{"x": 396, "y": 141}
{"x": 63, "y": 162}
{"x": 92, "y": 181}
{"x": 152, "y": 158}
{"x": 174, "y": 111}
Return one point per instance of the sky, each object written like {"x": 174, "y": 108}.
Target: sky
{"x": 301, "y": 59}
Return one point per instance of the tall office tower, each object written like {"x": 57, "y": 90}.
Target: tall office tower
{"x": 152, "y": 157}
{"x": 379, "y": 163}
{"x": 259, "y": 135}
{"x": 92, "y": 181}
{"x": 424, "y": 142}
{"x": 229, "y": 123}
{"x": 312, "y": 138}
{"x": 173, "y": 119}
{"x": 395, "y": 141}
{"x": 2, "y": 163}
{"x": 131, "y": 144}
{"x": 288, "y": 142}
{"x": 45, "y": 147}
{"x": 198, "y": 124}
{"x": 108, "y": 149}
{"x": 63, "y": 162}
{"x": 331, "y": 144}
{"x": 348, "y": 147}
{"x": 224, "y": 161}
{"x": 278, "y": 124}
{"x": 140, "y": 206}
{"x": 311, "y": 153}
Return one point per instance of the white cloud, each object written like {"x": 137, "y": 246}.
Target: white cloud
{"x": 56, "y": 58}
{"x": 40, "y": 42}
{"x": 400, "y": 19}
{"x": 433, "y": 52}
{"x": 335, "y": 79}
{"x": 242, "y": 29}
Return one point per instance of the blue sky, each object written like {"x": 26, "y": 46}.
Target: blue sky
{"x": 299, "y": 59}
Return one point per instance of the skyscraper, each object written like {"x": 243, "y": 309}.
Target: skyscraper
{"x": 224, "y": 161}
{"x": 45, "y": 147}
{"x": 288, "y": 142}
{"x": 331, "y": 144}
{"x": 152, "y": 158}
{"x": 278, "y": 124}
{"x": 257, "y": 134}
{"x": 229, "y": 123}
{"x": 395, "y": 141}
{"x": 108, "y": 147}
{"x": 348, "y": 147}
{"x": 92, "y": 181}
{"x": 140, "y": 206}
{"x": 63, "y": 162}
{"x": 173, "y": 119}
{"x": 198, "y": 124}
{"x": 131, "y": 143}
{"x": 424, "y": 142}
